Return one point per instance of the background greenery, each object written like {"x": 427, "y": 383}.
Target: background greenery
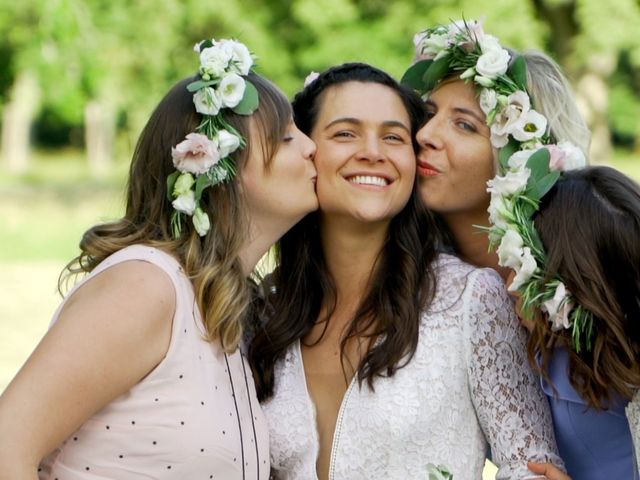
{"x": 78, "y": 78}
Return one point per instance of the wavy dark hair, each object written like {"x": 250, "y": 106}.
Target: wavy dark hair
{"x": 402, "y": 280}
{"x": 589, "y": 224}
{"x": 212, "y": 262}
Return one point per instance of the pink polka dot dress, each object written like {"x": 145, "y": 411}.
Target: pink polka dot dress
{"x": 195, "y": 416}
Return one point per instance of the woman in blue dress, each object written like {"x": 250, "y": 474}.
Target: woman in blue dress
{"x": 585, "y": 338}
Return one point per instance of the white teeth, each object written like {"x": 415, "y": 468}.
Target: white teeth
{"x": 368, "y": 180}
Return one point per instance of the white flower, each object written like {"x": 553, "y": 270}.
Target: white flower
{"x": 493, "y": 63}
{"x": 439, "y": 472}
{"x": 527, "y": 267}
{"x": 499, "y": 211}
{"x": 201, "y": 222}
{"x": 231, "y": 90}
{"x": 511, "y": 183}
{"x": 489, "y": 43}
{"x": 186, "y": 202}
{"x": 566, "y": 156}
{"x": 207, "y": 101}
{"x": 195, "y": 154}
{"x": 519, "y": 159}
{"x": 214, "y": 61}
{"x": 533, "y": 126}
{"x": 488, "y": 100}
{"x": 227, "y": 143}
{"x": 510, "y": 250}
{"x": 310, "y": 78}
{"x": 241, "y": 58}
{"x": 430, "y": 46}
{"x": 470, "y": 28}
{"x": 510, "y": 118}
{"x": 183, "y": 184}
{"x": 559, "y": 308}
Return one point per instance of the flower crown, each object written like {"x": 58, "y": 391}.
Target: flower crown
{"x": 530, "y": 162}
{"x": 203, "y": 158}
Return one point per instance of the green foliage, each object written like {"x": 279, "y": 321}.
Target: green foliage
{"x": 128, "y": 54}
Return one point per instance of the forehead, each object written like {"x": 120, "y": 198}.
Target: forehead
{"x": 454, "y": 91}
{"x": 366, "y": 101}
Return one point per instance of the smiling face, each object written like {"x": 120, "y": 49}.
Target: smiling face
{"x": 365, "y": 159}
{"x": 456, "y": 157}
{"x": 284, "y": 191}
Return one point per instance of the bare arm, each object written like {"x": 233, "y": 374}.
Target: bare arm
{"x": 111, "y": 333}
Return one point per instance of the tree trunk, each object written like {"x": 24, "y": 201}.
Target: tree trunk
{"x": 17, "y": 119}
{"x": 99, "y": 122}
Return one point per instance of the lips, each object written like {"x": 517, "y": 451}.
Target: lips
{"x": 425, "y": 169}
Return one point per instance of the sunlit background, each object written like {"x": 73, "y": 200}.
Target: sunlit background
{"x": 78, "y": 78}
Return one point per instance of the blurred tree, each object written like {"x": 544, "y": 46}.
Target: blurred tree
{"x": 99, "y": 66}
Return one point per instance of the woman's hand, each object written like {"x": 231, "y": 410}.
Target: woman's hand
{"x": 551, "y": 472}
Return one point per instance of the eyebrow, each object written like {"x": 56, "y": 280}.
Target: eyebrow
{"x": 357, "y": 121}
{"x": 466, "y": 111}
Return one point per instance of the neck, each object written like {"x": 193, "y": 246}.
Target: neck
{"x": 351, "y": 251}
{"x": 471, "y": 242}
{"x": 263, "y": 233}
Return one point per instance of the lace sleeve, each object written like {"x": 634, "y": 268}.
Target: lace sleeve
{"x": 633, "y": 417}
{"x": 510, "y": 405}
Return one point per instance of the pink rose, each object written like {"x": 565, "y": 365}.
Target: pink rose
{"x": 565, "y": 156}
{"x": 195, "y": 154}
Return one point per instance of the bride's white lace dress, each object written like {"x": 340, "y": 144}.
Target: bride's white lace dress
{"x": 468, "y": 385}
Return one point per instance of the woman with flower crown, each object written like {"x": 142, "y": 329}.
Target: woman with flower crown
{"x": 491, "y": 112}
{"x": 141, "y": 374}
{"x": 379, "y": 356}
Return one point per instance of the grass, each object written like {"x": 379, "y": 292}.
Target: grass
{"x": 44, "y": 213}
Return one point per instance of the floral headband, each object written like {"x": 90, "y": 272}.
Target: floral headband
{"x": 203, "y": 158}
{"x": 530, "y": 163}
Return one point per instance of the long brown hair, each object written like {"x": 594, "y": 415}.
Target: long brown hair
{"x": 212, "y": 261}
{"x": 589, "y": 224}
{"x": 402, "y": 280}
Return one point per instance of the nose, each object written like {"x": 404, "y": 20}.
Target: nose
{"x": 309, "y": 148}
{"x": 370, "y": 149}
{"x": 430, "y": 135}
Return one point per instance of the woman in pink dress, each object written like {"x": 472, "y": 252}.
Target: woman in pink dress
{"x": 141, "y": 374}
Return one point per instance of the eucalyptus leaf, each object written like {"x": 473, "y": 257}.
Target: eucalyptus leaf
{"x": 198, "y": 84}
{"x": 171, "y": 181}
{"x": 436, "y": 71}
{"x": 518, "y": 72}
{"x": 506, "y": 152}
{"x": 249, "y": 102}
{"x": 547, "y": 182}
{"x": 202, "y": 182}
{"x": 412, "y": 78}
{"x": 538, "y": 163}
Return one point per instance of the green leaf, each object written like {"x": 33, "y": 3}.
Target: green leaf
{"x": 518, "y": 72}
{"x": 202, "y": 182}
{"x": 249, "y": 102}
{"x": 436, "y": 71}
{"x": 538, "y": 163}
{"x": 505, "y": 153}
{"x": 198, "y": 84}
{"x": 412, "y": 78}
{"x": 547, "y": 182}
{"x": 171, "y": 181}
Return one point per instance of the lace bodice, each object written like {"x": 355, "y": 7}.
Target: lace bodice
{"x": 467, "y": 387}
